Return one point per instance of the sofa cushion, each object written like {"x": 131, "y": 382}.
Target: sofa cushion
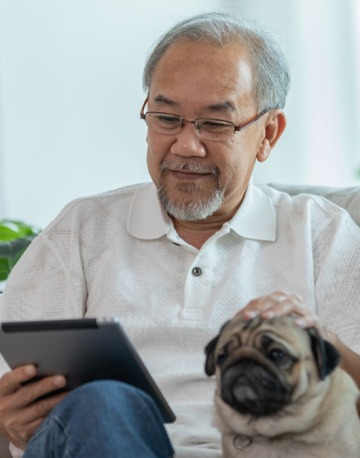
{"x": 348, "y": 198}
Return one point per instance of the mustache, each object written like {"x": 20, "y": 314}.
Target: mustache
{"x": 188, "y": 166}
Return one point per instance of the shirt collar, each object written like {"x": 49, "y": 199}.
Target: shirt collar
{"x": 147, "y": 220}
{"x": 255, "y": 219}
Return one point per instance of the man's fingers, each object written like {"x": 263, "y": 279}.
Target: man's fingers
{"x": 21, "y": 424}
{"x": 11, "y": 381}
{"x": 37, "y": 411}
{"x": 42, "y": 407}
{"x": 29, "y": 393}
{"x": 277, "y": 304}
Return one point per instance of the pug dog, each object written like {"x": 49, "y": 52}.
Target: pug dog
{"x": 280, "y": 392}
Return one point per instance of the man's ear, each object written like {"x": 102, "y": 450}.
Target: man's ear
{"x": 274, "y": 127}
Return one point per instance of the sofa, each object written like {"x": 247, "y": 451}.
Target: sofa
{"x": 346, "y": 197}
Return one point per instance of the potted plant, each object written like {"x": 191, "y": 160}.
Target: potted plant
{"x": 15, "y": 237}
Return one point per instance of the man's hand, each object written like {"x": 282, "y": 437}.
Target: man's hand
{"x": 277, "y": 304}
{"x": 21, "y": 411}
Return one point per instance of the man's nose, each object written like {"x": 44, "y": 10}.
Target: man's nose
{"x": 187, "y": 142}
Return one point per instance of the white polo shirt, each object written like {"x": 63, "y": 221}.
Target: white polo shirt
{"x": 118, "y": 254}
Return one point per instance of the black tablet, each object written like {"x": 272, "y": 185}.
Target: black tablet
{"x": 81, "y": 349}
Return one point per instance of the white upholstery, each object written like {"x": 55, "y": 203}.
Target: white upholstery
{"x": 348, "y": 198}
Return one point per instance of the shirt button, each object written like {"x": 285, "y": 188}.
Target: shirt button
{"x": 196, "y": 271}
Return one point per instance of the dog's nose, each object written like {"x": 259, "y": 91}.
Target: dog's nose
{"x": 246, "y": 361}
{"x": 242, "y": 363}
{"x": 251, "y": 388}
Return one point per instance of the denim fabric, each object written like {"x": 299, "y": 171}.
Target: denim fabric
{"x": 105, "y": 419}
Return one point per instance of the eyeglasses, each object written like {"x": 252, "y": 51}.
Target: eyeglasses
{"x": 215, "y": 130}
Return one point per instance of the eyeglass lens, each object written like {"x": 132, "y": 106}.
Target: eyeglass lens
{"x": 206, "y": 128}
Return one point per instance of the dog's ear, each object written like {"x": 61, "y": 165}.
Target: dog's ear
{"x": 210, "y": 353}
{"x": 325, "y": 353}
{"x": 210, "y": 356}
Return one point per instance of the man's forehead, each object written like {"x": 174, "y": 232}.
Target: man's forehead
{"x": 199, "y": 51}
{"x": 222, "y": 73}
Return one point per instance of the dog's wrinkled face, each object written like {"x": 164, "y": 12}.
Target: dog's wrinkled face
{"x": 264, "y": 365}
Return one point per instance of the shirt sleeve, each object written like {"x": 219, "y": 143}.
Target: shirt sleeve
{"x": 15, "y": 451}
{"x": 47, "y": 282}
{"x": 337, "y": 278}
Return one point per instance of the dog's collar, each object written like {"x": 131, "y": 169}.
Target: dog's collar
{"x": 241, "y": 442}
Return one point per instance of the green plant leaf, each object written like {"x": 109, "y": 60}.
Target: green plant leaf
{"x": 4, "y": 268}
{"x": 15, "y": 237}
{"x": 12, "y": 229}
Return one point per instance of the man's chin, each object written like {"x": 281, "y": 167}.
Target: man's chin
{"x": 187, "y": 205}
{"x": 189, "y": 189}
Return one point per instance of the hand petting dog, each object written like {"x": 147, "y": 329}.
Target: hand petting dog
{"x": 279, "y": 387}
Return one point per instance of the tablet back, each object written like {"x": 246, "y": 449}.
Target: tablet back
{"x": 81, "y": 349}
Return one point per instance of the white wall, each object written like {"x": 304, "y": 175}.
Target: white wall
{"x": 70, "y": 94}
{"x": 321, "y": 38}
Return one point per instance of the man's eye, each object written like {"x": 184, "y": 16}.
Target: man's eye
{"x": 215, "y": 126}
{"x": 167, "y": 120}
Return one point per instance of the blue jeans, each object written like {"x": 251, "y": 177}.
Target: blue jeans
{"x": 105, "y": 419}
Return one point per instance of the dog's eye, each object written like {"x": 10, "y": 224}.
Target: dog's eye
{"x": 221, "y": 359}
{"x": 277, "y": 355}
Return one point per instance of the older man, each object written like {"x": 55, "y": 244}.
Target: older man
{"x": 176, "y": 257}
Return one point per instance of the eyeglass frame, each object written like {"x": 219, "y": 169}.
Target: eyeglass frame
{"x": 237, "y": 128}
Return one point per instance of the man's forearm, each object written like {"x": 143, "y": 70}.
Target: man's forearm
{"x": 350, "y": 362}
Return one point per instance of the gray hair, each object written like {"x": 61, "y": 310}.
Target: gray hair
{"x": 272, "y": 76}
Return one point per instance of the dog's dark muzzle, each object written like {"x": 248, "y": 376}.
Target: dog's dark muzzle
{"x": 251, "y": 388}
